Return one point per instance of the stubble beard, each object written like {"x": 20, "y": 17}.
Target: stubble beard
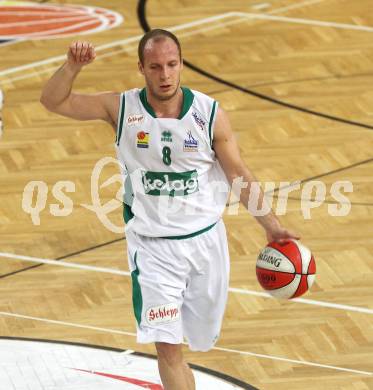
{"x": 165, "y": 97}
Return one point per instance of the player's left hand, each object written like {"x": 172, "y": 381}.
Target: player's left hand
{"x": 280, "y": 234}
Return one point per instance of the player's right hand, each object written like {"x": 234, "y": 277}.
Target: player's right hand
{"x": 80, "y": 54}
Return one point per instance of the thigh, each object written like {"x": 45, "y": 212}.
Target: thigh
{"x": 206, "y": 296}
{"x": 158, "y": 286}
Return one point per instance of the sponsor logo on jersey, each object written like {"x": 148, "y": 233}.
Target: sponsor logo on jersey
{"x": 170, "y": 183}
{"x": 190, "y": 144}
{"x": 166, "y": 136}
{"x": 142, "y": 139}
{"x": 200, "y": 122}
{"x": 163, "y": 314}
{"x": 134, "y": 119}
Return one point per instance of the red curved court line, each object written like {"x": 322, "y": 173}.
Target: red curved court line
{"x": 134, "y": 381}
{"x": 93, "y": 25}
{"x": 37, "y": 17}
{"x": 42, "y": 28}
{"x": 4, "y": 18}
{"x": 36, "y": 9}
{"x": 86, "y": 21}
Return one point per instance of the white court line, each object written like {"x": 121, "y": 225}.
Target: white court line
{"x": 65, "y": 264}
{"x": 125, "y": 49}
{"x": 46, "y": 21}
{"x": 311, "y": 22}
{"x": 62, "y": 30}
{"x": 213, "y": 27}
{"x": 43, "y": 13}
{"x": 106, "y": 330}
{"x": 29, "y": 74}
{"x": 114, "y": 43}
{"x": 331, "y": 305}
{"x": 104, "y": 22}
{"x": 260, "y": 6}
{"x": 293, "y": 361}
{"x": 53, "y": 9}
{"x": 195, "y": 23}
{"x": 295, "y": 6}
{"x": 98, "y": 269}
{"x": 11, "y": 42}
{"x": 304, "y": 300}
{"x": 182, "y": 35}
{"x": 246, "y": 353}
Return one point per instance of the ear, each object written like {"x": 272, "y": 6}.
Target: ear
{"x": 182, "y": 64}
{"x": 141, "y": 68}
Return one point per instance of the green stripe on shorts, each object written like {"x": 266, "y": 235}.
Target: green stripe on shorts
{"x": 136, "y": 292}
{"x": 191, "y": 234}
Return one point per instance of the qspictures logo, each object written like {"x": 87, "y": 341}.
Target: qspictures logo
{"x": 37, "y": 197}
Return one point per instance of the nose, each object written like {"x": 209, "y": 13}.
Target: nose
{"x": 165, "y": 73}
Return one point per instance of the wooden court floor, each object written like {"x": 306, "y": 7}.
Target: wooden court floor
{"x": 295, "y": 78}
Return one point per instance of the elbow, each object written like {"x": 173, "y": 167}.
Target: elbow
{"x": 44, "y": 101}
{"x": 47, "y": 103}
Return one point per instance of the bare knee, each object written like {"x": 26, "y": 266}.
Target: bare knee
{"x": 171, "y": 354}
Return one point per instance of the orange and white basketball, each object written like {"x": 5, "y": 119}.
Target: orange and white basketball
{"x": 286, "y": 270}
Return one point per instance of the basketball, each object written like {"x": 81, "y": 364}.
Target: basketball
{"x": 286, "y": 270}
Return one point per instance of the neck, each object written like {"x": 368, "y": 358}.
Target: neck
{"x": 170, "y": 108}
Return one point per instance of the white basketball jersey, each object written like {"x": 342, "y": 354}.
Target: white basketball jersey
{"x": 174, "y": 186}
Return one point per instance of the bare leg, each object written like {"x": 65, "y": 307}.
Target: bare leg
{"x": 174, "y": 371}
{"x": 190, "y": 377}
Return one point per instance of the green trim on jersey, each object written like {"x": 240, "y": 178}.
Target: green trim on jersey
{"x": 145, "y": 103}
{"x": 191, "y": 234}
{"x": 187, "y": 101}
{"x": 188, "y": 98}
{"x": 136, "y": 292}
{"x": 127, "y": 213}
{"x": 121, "y": 117}
{"x": 211, "y": 121}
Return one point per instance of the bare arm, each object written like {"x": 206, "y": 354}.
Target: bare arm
{"x": 57, "y": 95}
{"x": 228, "y": 154}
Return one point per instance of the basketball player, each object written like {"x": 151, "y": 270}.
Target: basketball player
{"x": 174, "y": 144}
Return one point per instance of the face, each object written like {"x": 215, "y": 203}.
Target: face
{"x": 161, "y": 68}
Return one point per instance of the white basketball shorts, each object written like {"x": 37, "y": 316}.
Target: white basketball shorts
{"x": 180, "y": 287}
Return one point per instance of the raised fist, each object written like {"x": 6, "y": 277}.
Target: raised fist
{"x": 81, "y": 53}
